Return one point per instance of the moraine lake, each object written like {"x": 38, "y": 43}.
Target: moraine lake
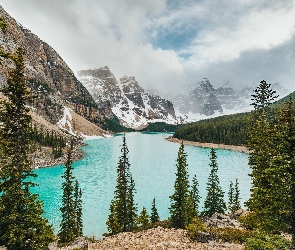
{"x": 152, "y": 160}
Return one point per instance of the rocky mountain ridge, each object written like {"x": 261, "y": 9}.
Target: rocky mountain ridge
{"x": 203, "y": 100}
{"x": 126, "y": 98}
{"x": 51, "y": 81}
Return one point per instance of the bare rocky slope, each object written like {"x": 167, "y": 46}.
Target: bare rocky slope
{"x": 50, "y": 79}
{"x": 126, "y": 98}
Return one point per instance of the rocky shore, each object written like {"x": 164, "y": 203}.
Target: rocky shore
{"x": 242, "y": 149}
{"x": 43, "y": 157}
{"x": 156, "y": 239}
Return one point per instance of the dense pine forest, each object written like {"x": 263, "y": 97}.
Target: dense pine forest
{"x": 228, "y": 129}
{"x": 161, "y": 127}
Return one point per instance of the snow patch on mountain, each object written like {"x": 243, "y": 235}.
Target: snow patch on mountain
{"x": 65, "y": 123}
{"x": 133, "y": 106}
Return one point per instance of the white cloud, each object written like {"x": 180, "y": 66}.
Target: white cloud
{"x": 227, "y": 37}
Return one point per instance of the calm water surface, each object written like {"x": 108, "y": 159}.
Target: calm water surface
{"x": 153, "y": 169}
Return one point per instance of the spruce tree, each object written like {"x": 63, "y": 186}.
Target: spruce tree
{"x": 78, "y": 210}
{"x": 122, "y": 217}
{"x": 195, "y": 195}
{"x": 263, "y": 96}
{"x": 131, "y": 206}
{"x": 143, "y": 220}
{"x": 231, "y": 197}
{"x": 263, "y": 143}
{"x": 22, "y": 226}
{"x": 68, "y": 225}
{"x": 214, "y": 202}
{"x": 181, "y": 210}
{"x": 236, "y": 198}
{"x": 154, "y": 215}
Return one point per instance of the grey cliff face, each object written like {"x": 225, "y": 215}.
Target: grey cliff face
{"x": 49, "y": 77}
{"x": 126, "y": 98}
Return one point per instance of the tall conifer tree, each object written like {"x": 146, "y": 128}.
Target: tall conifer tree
{"x": 122, "y": 217}
{"x": 181, "y": 210}
{"x": 236, "y": 200}
{"x": 230, "y": 197}
{"x": 143, "y": 220}
{"x": 263, "y": 142}
{"x": 154, "y": 215}
{"x": 195, "y": 195}
{"x": 234, "y": 197}
{"x": 214, "y": 202}
{"x": 78, "y": 210}
{"x": 68, "y": 225}
{"x": 22, "y": 226}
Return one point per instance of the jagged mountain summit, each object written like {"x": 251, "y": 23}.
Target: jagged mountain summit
{"x": 50, "y": 79}
{"x": 203, "y": 100}
{"x": 126, "y": 99}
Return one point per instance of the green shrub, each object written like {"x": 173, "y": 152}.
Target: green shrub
{"x": 232, "y": 235}
{"x": 249, "y": 221}
{"x": 196, "y": 226}
{"x": 262, "y": 241}
{"x": 163, "y": 223}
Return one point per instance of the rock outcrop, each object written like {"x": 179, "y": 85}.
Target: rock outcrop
{"x": 48, "y": 76}
{"x": 158, "y": 238}
{"x": 126, "y": 98}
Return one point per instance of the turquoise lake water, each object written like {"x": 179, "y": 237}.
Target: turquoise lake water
{"x": 153, "y": 169}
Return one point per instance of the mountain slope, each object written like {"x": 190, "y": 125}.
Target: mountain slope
{"x": 50, "y": 79}
{"x": 126, "y": 99}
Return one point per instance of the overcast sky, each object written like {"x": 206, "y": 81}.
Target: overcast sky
{"x": 172, "y": 42}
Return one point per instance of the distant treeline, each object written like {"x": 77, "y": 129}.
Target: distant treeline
{"x": 47, "y": 138}
{"x": 113, "y": 124}
{"x": 162, "y": 127}
{"x": 228, "y": 129}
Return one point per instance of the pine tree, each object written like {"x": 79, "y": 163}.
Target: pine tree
{"x": 287, "y": 167}
{"x": 263, "y": 144}
{"x": 214, "y": 202}
{"x": 122, "y": 217}
{"x": 131, "y": 206}
{"x": 154, "y": 215}
{"x": 143, "y": 220}
{"x": 78, "y": 210}
{"x": 236, "y": 198}
{"x": 181, "y": 210}
{"x": 263, "y": 96}
{"x": 231, "y": 197}
{"x": 22, "y": 226}
{"x": 195, "y": 195}
{"x": 68, "y": 225}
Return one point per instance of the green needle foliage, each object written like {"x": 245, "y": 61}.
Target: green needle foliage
{"x": 122, "y": 217}
{"x": 214, "y": 202}
{"x": 78, "y": 209}
{"x": 263, "y": 144}
{"x": 181, "y": 210}
{"x": 22, "y": 226}
{"x": 154, "y": 215}
{"x": 234, "y": 197}
{"x": 230, "y": 197}
{"x": 68, "y": 225}
{"x": 143, "y": 220}
{"x": 236, "y": 200}
{"x": 195, "y": 195}
{"x": 3, "y": 24}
